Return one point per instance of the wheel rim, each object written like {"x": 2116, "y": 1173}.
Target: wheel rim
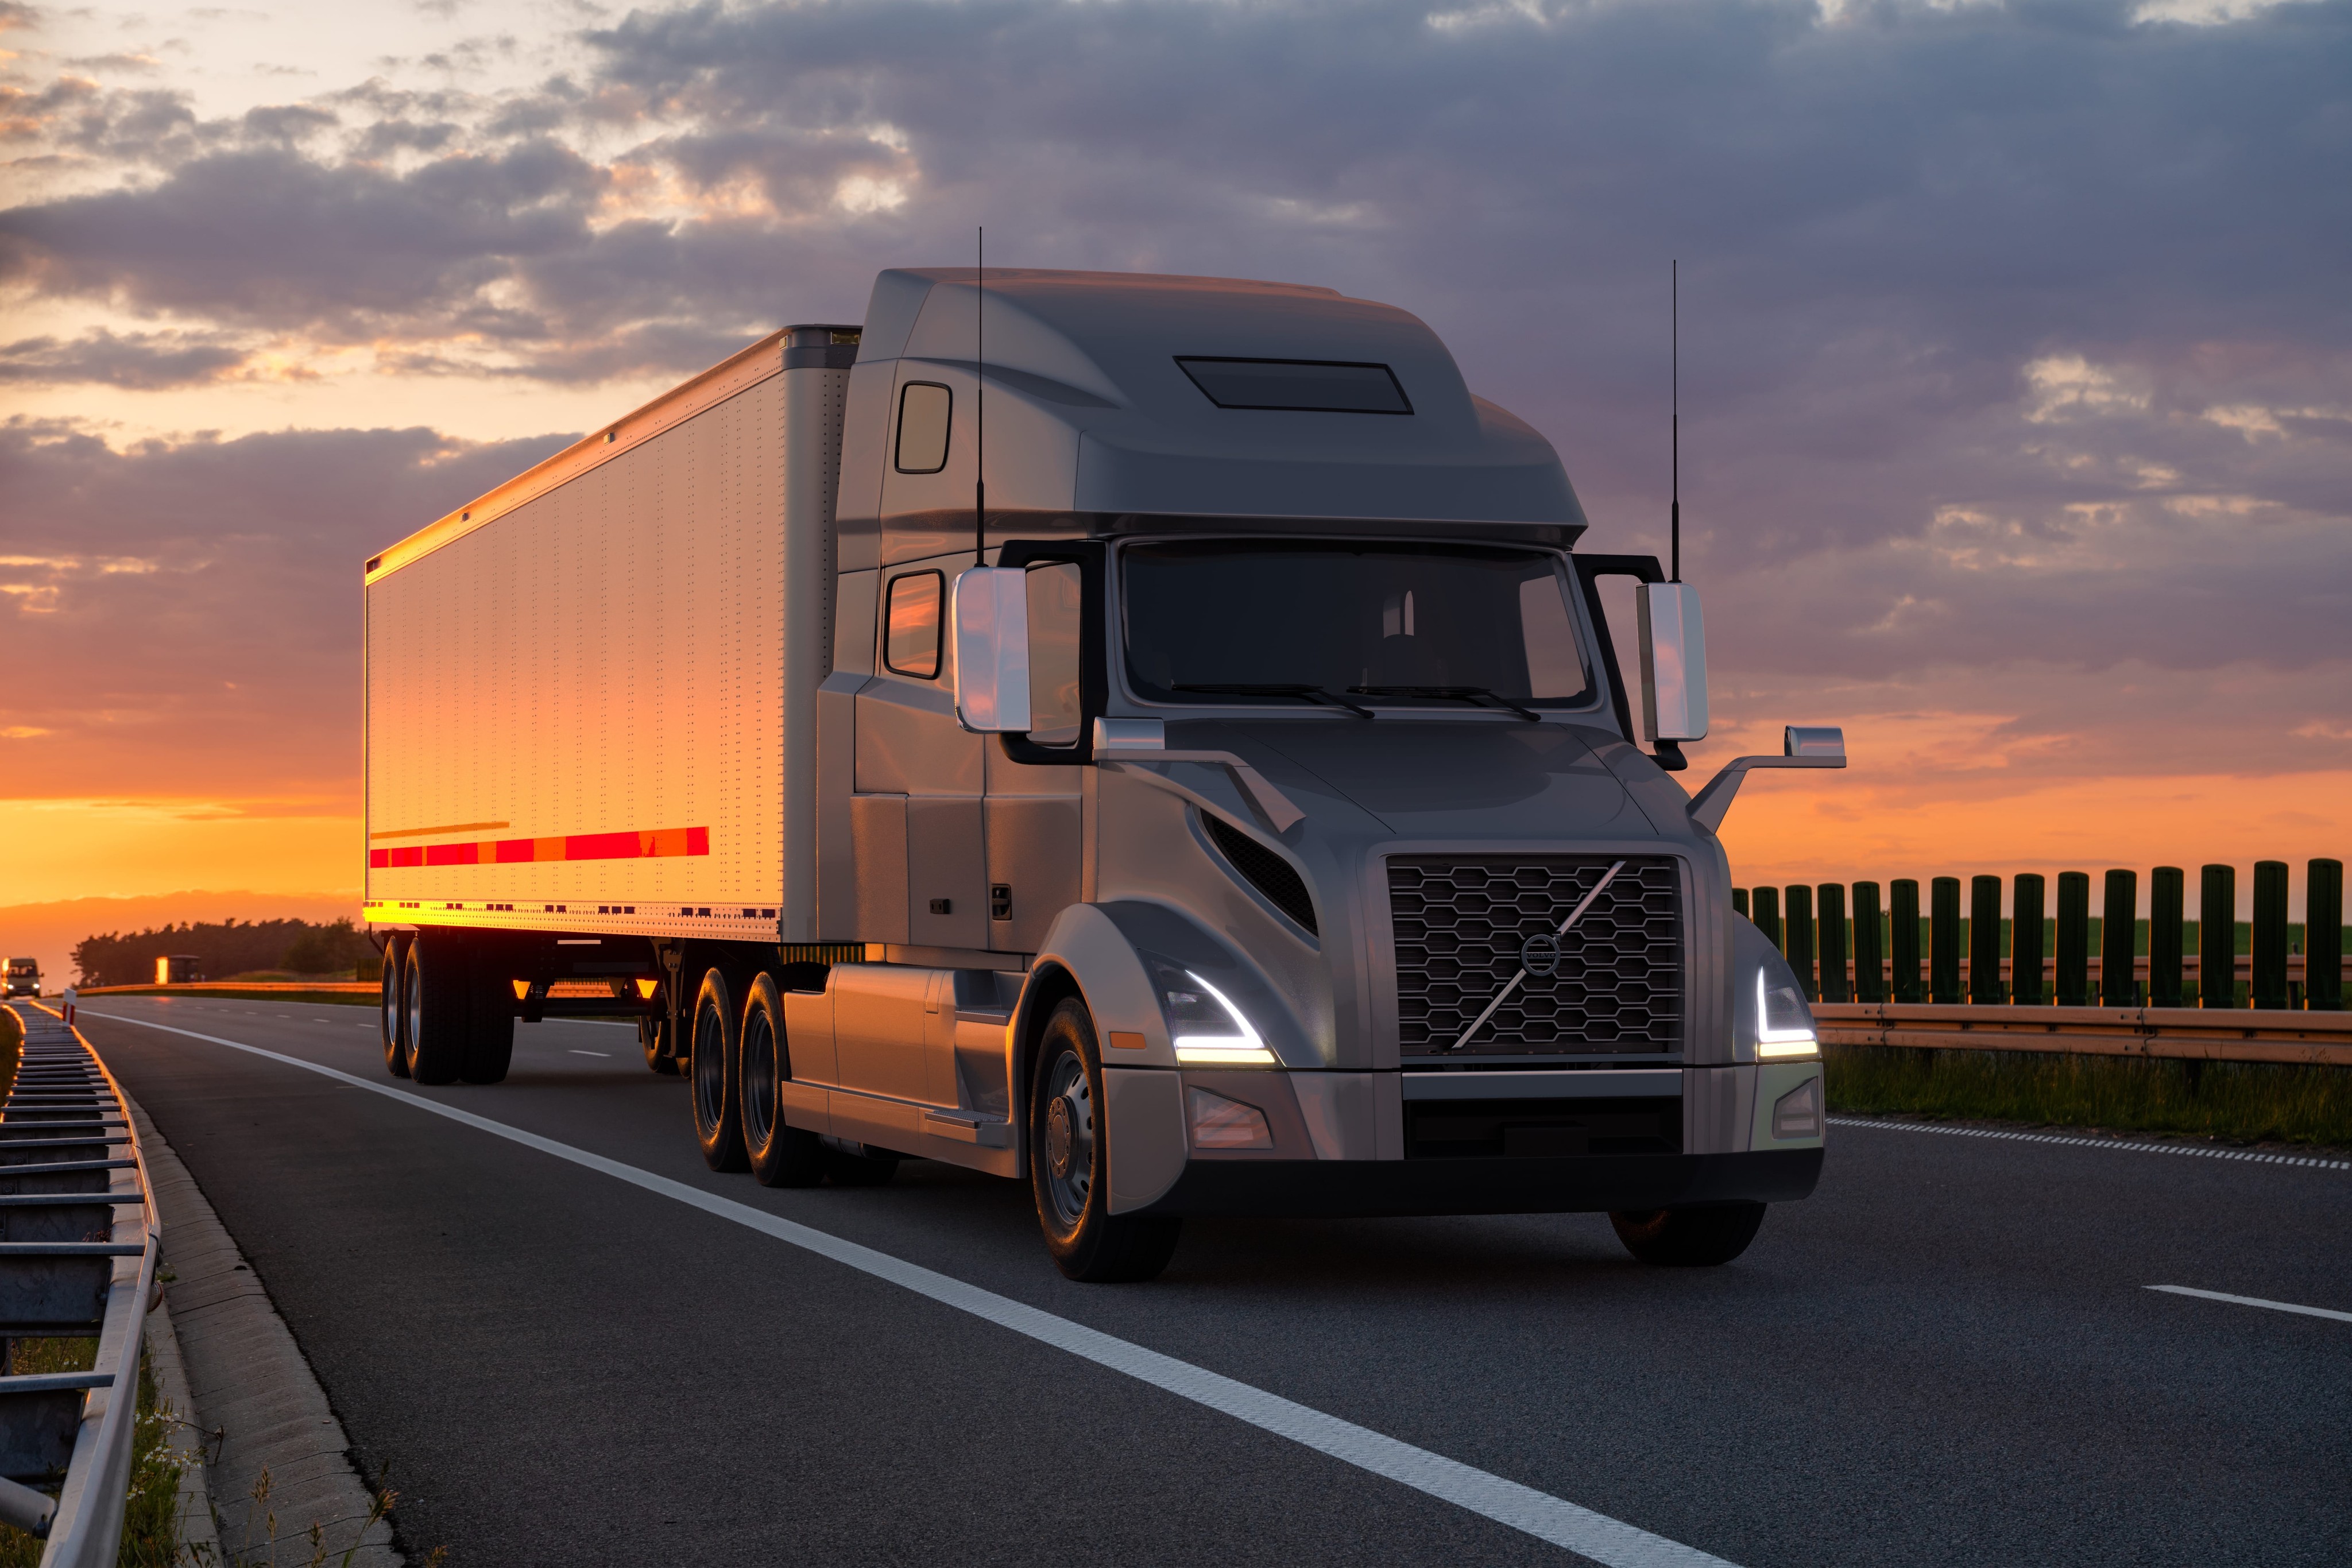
{"x": 709, "y": 1068}
{"x": 388, "y": 1000}
{"x": 1069, "y": 1152}
{"x": 412, "y": 995}
{"x": 759, "y": 1078}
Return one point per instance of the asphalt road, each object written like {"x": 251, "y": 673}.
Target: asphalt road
{"x": 1948, "y": 1356}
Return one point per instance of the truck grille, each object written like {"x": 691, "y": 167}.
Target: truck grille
{"x": 1463, "y": 924}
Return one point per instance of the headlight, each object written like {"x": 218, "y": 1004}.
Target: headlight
{"x": 1206, "y": 1029}
{"x": 1784, "y": 1025}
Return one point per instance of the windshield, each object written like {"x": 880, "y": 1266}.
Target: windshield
{"x": 1351, "y": 624}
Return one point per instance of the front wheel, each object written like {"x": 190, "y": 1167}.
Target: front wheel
{"x": 1698, "y": 1238}
{"x": 1069, "y": 1165}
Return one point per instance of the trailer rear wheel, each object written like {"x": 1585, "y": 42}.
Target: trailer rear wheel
{"x": 392, "y": 1011}
{"x": 439, "y": 1015}
{"x": 1069, "y": 1164}
{"x": 781, "y": 1155}
{"x": 1698, "y": 1238}
{"x": 718, "y": 1070}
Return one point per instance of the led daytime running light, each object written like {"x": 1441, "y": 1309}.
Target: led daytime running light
{"x": 1242, "y": 1050}
{"x": 1776, "y": 1042}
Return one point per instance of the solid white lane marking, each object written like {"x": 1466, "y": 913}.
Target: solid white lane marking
{"x": 2309, "y": 1162}
{"x": 1579, "y": 1530}
{"x": 2253, "y": 1301}
{"x": 577, "y": 1051}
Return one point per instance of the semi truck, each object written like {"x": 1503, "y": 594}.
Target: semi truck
{"x": 1151, "y": 737}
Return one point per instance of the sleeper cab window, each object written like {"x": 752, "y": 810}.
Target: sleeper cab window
{"x": 910, "y": 628}
{"x": 923, "y": 427}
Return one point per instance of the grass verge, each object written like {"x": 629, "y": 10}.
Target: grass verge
{"x": 2241, "y": 1102}
{"x": 150, "y": 1526}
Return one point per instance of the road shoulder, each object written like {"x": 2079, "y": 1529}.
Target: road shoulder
{"x": 250, "y": 1391}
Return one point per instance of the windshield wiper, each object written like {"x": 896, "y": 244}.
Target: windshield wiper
{"x": 1279, "y": 689}
{"x": 1478, "y": 697}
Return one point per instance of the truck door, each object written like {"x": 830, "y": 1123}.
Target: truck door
{"x": 914, "y": 758}
{"x": 1034, "y": 811}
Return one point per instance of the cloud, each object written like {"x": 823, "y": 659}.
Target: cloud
{"x": 137, "y": 359}
{"x": 183, "y": 616}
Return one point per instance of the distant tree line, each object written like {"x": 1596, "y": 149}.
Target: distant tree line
{"x": 230, "y": 947}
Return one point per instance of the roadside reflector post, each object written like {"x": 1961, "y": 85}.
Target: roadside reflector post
{"x": 2267, "y": 971}
{"x": 1944, "y": 940}
{"x": 2119, "y": 928}
{"x": 1904, "y": 938}
{"x": 2028, "y": 936}
{"x": 2322, "y": 937}
{"x": 1801, "y": 939}
{"x": 1984, "y": 941}
{"x": 2167, "y": 892}
{"x": 1869, "y": 949}
{"x": 2217, "y": 936}
{"x": 1766, "y": 917}
{"x": 2074, "y": 955}
{"x": 1836, "y": 985}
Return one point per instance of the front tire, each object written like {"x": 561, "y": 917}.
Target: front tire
{"x": 392, "y": 1013}
{"x": 780, "y": 1155}
{"x": 1699, "y": 1237}
{"x": 1069, "y": 1164}
{"x": 718, "y": 1072}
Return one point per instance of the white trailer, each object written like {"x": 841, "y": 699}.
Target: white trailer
{"x": 1235, "y": 806}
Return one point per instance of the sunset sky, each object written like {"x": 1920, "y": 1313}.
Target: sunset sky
{"x": 2017, "y": 353}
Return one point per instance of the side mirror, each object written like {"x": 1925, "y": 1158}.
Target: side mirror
{"x": 990, "y": 615}
{"x": 1674, "y": 661}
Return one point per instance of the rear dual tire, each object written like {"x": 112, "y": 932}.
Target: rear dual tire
{"x": 445, "y": 1015}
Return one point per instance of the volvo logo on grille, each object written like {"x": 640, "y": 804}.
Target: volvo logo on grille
{"x": 1540, "y": 955}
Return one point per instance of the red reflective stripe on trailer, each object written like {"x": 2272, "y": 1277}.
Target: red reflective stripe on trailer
{"x": 602, "y": 847}
{"x": 641, "y": 844}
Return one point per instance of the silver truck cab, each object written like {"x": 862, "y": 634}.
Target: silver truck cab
{"x": 1282, "y": 718}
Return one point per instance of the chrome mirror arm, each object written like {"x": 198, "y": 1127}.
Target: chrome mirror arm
{"x": 1804, "y": 747}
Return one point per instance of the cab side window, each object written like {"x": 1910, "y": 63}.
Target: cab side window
{"x": 923, "y": 410}
{"x": 911, "y": 625}
{"x": 1056, "y": 599}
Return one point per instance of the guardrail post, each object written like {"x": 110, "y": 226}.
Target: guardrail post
{"x": 2267, "y": 972}
{"x": 2119, "y": 925}
{"x": 2073, "y": 965}
{"x": 1904, "y": 937}
{"x": 1768, "y": 913}
{"x": 1869, "y": 952}
{"x": 2217, "y": 936}
{"x": 1801, "y": 938}
{"x": 1944, "y": 940}
{"x": 1984, "y": 941}
{"x": 2322, "y": 937}
{"x": 2026, "y": 935}
{"x": 1836, "y": 985}
{"x": 2168, "y": 888}
{"x": 1739, "y": 900}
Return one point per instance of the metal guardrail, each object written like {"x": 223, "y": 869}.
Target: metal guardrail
{"x": 2198, "y": 1034}
{"x": 79, "y": 1243}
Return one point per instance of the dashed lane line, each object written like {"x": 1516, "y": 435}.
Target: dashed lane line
{"x": 2256, "y": 1156}
{"x": 1597, "y": 1536}
{"x": 2253, "y": 1301}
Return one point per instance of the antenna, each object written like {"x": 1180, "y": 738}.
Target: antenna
{"x": 1675, "y": 359}
{"x": 980, "y": 402}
